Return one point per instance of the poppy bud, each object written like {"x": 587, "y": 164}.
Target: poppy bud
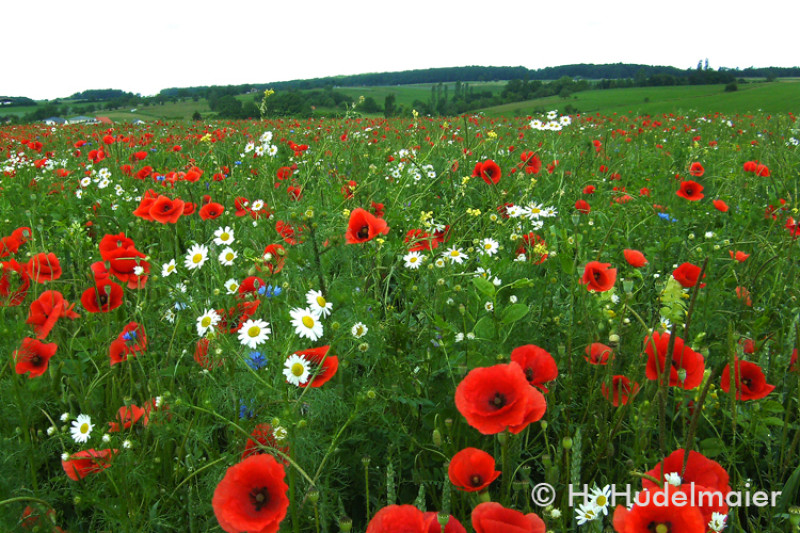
{"x": 544, "y": 425}
{"x": 566, "y": 443}
{"x": 437, "y": 438}
{"x": 546, "y": 460}
{"x": 313, "y": 495}
{"x": 627, "y": 286}
{"x": 345, "y": 524}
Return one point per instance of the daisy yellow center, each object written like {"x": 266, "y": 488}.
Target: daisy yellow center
{"x": 254, "y": 331}
{"x": 225, "y": 236}
{"x": 196, "y": 258}
{"x": 84, "y": 428}
{"x": 232, "y": 286}
{"x": 321, "y": 301}
{"x": 359, "y": 331}
{"x": 308, "y": 322}
{"x": 229, "y": 256}
{"x": 454, "y": 253}
{"x": 170, "y": 268}
{"x": 536, "y": 210}
{"x": 298, "y": 369}
{"x": 487, "y": 246}
{"x": 601, "y": 501}
{"x": 413, "y": 259}
{"x": 206, "y": 322}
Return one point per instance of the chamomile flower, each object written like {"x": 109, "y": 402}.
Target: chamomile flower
{"x": 456, "y": 255}
{"x": 249, "y": 147}
{"x": 306, "y": 323}
{"x": 85, "y": 182}
{"x": 81, "y": 429}
{"x": 223, "y": 236}
{"x": 297, "y": 370}
{"x": 489, "y": 247}
{"x": 254, "y": 332}
{"x": 196, "y": 257}
{"x": 413, "y": 260}
{"x": 266, "y": 137}
{"x": 488, "y": 306}
{"x": 717, "y": 522}
{"x": 586, "y": 513}
{"x": 318, "y": 304}
{"x": 258, "y": 205}
{"x": 231, "y": 286}
{"x": 207, "y": 321}
{"x": 601, "y": 499}
{"x": 359, "y": 330}
{"x": 440, "y": 263}
{"x": 227, "y": 256}
{"x": 533, "y": 211}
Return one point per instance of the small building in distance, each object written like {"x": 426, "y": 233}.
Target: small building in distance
{"x": 52, "y": 121}
{"x": 82, "y": 120}
{"x": 104, "y": 120}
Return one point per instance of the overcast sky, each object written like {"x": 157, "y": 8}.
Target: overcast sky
{"x": 53, "y": 48}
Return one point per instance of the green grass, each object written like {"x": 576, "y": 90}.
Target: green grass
{"x": 780, "y": 97}
{"x": 406, "y": 94}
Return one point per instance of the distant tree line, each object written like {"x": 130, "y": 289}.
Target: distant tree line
{"x": 17, "y": 101}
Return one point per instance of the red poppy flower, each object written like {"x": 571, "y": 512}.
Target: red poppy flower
{"x": 691, "y": 190}
{"x": 15, "y": 297}
{"x": 533, "y": 165}
{"x": 233, "y": 320}
{"x": 472, "y": 470}
{"x": 721, "y": 206}
{"x": 793, "y": 361}
{"x": 22, "y": 234}
{"x": 277, "y": 258}
{"x": 399, "y": 519}
{"x": 635, "y": 258}
{"x": 749, "y": 380}
{"x": 81, "y": 464}
{"x": 528, "y": 246}
{"x": 497, "y": 398}
{"x": 598, "y": 277}
{"x": 131, "y": 341}
{"x": 377, "y": 209}
{"x": 743, "y": 294}
{"x": 364, "y": 227}
{"x": 263, "y": 435}
{"x": 622, "y": 390}
{"x": 583, "y": 207}
{"x": 686, "y": 274}
{"x": 33, "y": 356}
{"x": 8, "y": 246}
{"x": 123, "y": 263}
{"x": 147, "y": 201}
{"x": 762, "y": 171}
{"x": 323, "y": 366}
{"x": 700, "y": 470}
{"x": 166, "y": 210}
{"x": 750, "y": 166}
{"x": 491, "y": 517}
{"x": 126, "y": 417}
{"x": 659, "y": 514}
{"x": 589, "y": 189}
{"x": 211, "y": 211}
{"x": 289, "y": 233}
{"x": 284, "y": 172}
{"x": 598, "y": 354}
{"x": 250, "y": 285}
{"x": 739, "y": 256}
{"x": 44, "y": 267}
{"x": 696, "y": 170}
{"x": 420, "y": 240}
{"x": 202, "y": 358}
{"x": 252, "y": 496}
{"x": 687, "y": 365}
{"x": 452, "y": 526}
{"x": 46, "y": 310}
{"x": 488, "y": 171}
{"x": 105, "y": 296}
{"x": 537, "y": 364}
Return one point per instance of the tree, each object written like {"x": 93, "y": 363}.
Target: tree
{"x": 196, "y": 116}
{"x": 388, "y": 106}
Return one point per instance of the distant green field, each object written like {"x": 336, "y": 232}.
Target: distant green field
{"x": 406, "y": 94}
{"x": 778, "y": 97}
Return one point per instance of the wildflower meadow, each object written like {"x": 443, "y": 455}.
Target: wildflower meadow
{"x": 402, "y": 325}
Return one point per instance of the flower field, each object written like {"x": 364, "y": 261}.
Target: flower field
{"x": 402, "y": 325}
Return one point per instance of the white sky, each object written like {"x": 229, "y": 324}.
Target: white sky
{"x": 55, "y": 48}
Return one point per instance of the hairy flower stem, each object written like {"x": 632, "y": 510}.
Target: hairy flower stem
{"x": 317, "y": 261}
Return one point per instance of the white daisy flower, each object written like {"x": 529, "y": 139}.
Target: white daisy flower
{"x": 601, "y": 499}
{"x": 586, "y": 513}
{"x": 440, "y": 263}
{"x": 81, "y": 429}
{"x": 258, "y": 205}
{"x": 359, "y": 330}
{"x": 456, "y": 255}
{"x": 489, "y": 246}
{"x": 533, "y": 211}
{"x": 272, "y": 150}
{"x": 85, "y": 182}
{"x": 207, "y": 321}
{"x": 717, "y": 522}
{"x": 231, "y": 286}
{"x": 103, "y": 183}
{"x": 297, "y": 370}
{"x": 79, "y": 193}
{"x": 249, "y": 147}
{"x": 318, "y": 304}
{"x": 266, "y": 137}
{"x": 223, "y": 236}
{"x": 196, "y": 257}
{"x": 515, "y": 211}
{"x": 227, "y": 256}
{"x": 413, "y": 260}
{"x": 306, "y": 323}
{"x": 280, "y": 433}
{"x": 254, "y": 332}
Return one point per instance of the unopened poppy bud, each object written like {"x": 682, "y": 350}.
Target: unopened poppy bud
{"x": 501, "y": 438}
{"x": 448, "y": 423}
{"x": 546, "y": 460}
{"x": 462, "y": 309}
{"x": 76, "y": 500}
{"x": 345, "y": 524}
{"x": 682, "y": 374}
{"x": 566, "y": 443}
{"x": 627, "y": 286}
{"x": 313, "y": 495}
{"x": 544, "y": 425}
{"x": 251, "y": 271}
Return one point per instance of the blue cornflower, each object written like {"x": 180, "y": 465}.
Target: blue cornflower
{"x": 666, "y": 217}
{"x": 271, "y": 291}
{"x": 238, "y": 163}
{"x": 130, "y": 335}
{"x": 256, "y": 361}
{"x": 244, "y": 411}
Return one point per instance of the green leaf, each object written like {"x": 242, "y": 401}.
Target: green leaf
{"x": 712, "y": 447}
{"x": 566, "y": 263}
{"x": 772, "y": 421}
{"x": 484, "y": 329}
{"x": 513, "y": 313}
{"x": 484, "y": 285}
